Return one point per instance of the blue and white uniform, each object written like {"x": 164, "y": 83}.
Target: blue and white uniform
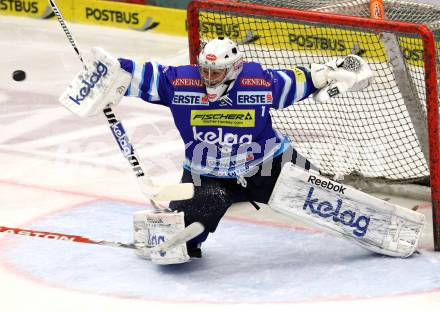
{"x": 231, "y": 136}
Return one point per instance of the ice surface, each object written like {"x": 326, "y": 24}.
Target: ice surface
{"x": 62, "y": 173}
{"x": 243, "y": 262}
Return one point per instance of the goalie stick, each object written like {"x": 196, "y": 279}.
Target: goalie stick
{"x": 161, "y": 193}
{"x": 185, "y": 235}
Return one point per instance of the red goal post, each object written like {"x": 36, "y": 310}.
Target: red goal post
{"x": 253, "y": 11}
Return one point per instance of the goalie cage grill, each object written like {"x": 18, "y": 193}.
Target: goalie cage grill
{"x": 381, "y": 133}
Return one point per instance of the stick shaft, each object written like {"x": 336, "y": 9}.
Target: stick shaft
{"x": 66, "y": 30}
{"x": 185, "y": 235}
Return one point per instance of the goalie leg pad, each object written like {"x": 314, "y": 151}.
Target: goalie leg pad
{"x": 374, "y": 224}
{"x": 152, "y": 229}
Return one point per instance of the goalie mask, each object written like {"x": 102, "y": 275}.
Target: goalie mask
{"x": 220, "y": 63}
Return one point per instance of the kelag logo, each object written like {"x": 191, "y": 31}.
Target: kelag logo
{"x": 121, "y": 137}
{"x": 114, "y": 16}
{"x": 101, "y": 71}
{"x": 335, "y": 213}
{"x": 20, "y": 6}
{"x": 224, "y": 139}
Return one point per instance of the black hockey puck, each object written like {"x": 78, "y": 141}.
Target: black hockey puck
{"x": 19, "y": 75}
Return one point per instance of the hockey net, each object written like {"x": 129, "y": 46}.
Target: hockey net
{"x": 387, "y": 132}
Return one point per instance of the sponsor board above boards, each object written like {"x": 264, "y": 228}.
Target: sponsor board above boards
{"x": 306, "y": 38}
{"x": 290, "y": 35}
{"x": 106, "y": 13}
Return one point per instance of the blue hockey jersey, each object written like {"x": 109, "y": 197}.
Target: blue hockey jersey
{"x": 231, "y": 136}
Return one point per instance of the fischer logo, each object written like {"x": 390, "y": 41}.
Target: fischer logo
{"x": 326, "y": 210}
{"x": 187, "y": 82}
{"x": 211, "y": 57}
{"x": 254, "y": 82}
{"x": 190, "y": 98}
{"x": 223, "y": 117}
{"x": 225, "y": 140}
{"x": 101, "y": 71}
{"x": 254, "y": 98}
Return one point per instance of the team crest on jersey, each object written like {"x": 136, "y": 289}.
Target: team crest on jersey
{"x": 254, "y": 82}
{"x": 190, "y": 98}
{"x": 254, "y": 98}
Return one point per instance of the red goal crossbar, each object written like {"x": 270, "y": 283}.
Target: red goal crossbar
{"x": 423, "y": 31}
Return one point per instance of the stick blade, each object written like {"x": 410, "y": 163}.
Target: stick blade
{"x": 174, "y": 192}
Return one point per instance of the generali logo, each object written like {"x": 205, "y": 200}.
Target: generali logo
{"x": 187, "y": 82}
{"x": 254, "y": 82}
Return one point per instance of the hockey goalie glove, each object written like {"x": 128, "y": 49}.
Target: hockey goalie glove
{"x": 348, "y": 74}
{"x": 152, "y": 229}
{"x": 103, "y": 83}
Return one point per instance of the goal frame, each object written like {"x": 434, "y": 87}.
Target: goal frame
{"x": 423, "y": 31}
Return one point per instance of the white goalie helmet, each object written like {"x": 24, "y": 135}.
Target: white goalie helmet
{"x": 220, "y": 62}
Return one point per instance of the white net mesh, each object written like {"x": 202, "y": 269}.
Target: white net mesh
{"x": 369, "y": 133}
